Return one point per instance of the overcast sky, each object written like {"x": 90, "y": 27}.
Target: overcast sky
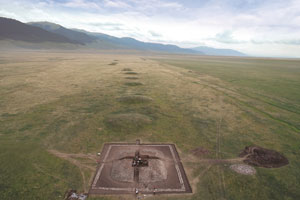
{"x": 255, "y": 27}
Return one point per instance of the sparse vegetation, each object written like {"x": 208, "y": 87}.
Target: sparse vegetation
{"x": 69, "y": 103}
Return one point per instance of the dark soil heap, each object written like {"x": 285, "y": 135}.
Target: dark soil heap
{"x": 261, "y": 157}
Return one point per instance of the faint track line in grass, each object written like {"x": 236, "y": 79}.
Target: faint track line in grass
{"x": 254, "y": 98}
{"x": 291, "y": 126}
{"x": 219, "y": 137}
{"x": 271, "y": 104}
{"x": 38, "y": 168}
{"x": 258, "y": 99}
{"x": 77, "y": 163}
{"x": 286, "y": 123}
{"x": 217, "y": 161}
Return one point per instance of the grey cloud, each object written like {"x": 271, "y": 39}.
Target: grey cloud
{"x": 105, "y": 24}
{"x": 226, "y": 37}
{"x": 109, "y": 26}
{"x": 287, "y": 42}
{"x": 154, "y": 34}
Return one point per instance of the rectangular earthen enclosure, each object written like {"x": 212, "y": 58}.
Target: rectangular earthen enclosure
{"x": 126, "y": 168}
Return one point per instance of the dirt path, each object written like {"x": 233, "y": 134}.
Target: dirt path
{"x": 217, "y": 161}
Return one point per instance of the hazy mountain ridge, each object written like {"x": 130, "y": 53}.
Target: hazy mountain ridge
{"x": 71, "y": 34}
{"x": 218, "y": 52}
{"x": 14, "y": 30}
{"x": 39, "y": 32}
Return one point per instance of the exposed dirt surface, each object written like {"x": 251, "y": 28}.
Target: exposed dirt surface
{"x": 261, "y": 157}
{"x": 200, "y": 152}
{"x": 243, "y": 169}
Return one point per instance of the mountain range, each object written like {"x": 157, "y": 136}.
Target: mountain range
{"x": 41, "y": 34}
{"x": 218, "y": 52}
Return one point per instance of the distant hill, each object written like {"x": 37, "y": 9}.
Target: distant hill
{"x": 77, "y": 36}
{"x": 131, "y": 43}
{"x": 14, "y": 30}
{"x": 218, "y": 52}
{"x": 41, "y": 32}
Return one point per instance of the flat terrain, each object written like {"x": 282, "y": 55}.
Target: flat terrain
{"x": 58, "y": 109}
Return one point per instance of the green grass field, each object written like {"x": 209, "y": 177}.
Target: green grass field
{"x": 73, "y": 103}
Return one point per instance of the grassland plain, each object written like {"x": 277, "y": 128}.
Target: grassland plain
{"x": 58, "y": 108}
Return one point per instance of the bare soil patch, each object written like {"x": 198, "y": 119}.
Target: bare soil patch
{"x": 243, "y": 169}
{"x": 133, "y": 83}
{"x": 261, "y": 157}
{"x": 200, "y": 152}
{"x": 135, "y": 99}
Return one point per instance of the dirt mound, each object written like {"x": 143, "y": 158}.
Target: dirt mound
{"x": 133, "y": 73}
{"x": 133, "y": 83}
{"x": 127, "y": 70}
{"x": 243, "y": 169}
{"x": 134, "y": 99}
{"x": 132, "y": 78}
{"x": 261, "y": 157}
{"x": 113, "y": 63}
{"x": 200, "y": 151}
{"x": 128, "y": 121}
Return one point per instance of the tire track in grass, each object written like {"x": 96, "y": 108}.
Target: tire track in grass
{"x": 218, "y": 150}
{"x": 216, "y": 86}
{"x": 286, "y": 123}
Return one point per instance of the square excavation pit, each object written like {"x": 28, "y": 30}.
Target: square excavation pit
{"x": 143, "y": 168}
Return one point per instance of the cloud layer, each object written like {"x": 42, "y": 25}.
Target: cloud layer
{"x": 256, "y": 27}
